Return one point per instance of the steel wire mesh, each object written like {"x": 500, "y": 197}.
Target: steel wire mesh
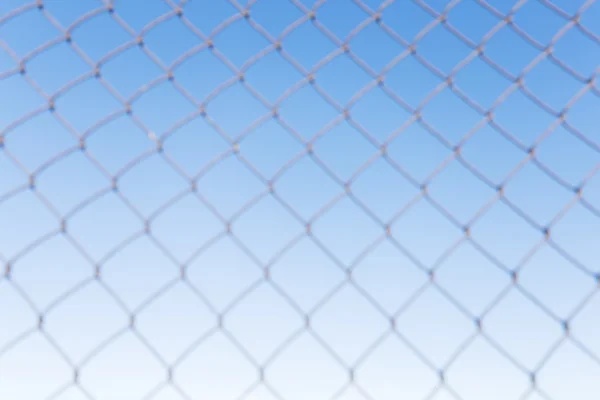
{"x": 479, "y": 327}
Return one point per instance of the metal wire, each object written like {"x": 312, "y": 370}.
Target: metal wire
{"x": 373, "y": 17}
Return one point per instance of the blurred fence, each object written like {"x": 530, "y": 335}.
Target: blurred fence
{"x": 569, "y": 304}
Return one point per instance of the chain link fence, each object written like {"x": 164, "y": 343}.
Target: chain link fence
{"x": 294, "y": 199}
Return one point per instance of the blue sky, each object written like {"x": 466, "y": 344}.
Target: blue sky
{"x": 286, "y": 187}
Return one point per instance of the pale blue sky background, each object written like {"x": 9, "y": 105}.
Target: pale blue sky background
{"x": 86, "y": 321}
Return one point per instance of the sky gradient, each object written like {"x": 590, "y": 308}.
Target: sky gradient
{"x": 303, "y": 199}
